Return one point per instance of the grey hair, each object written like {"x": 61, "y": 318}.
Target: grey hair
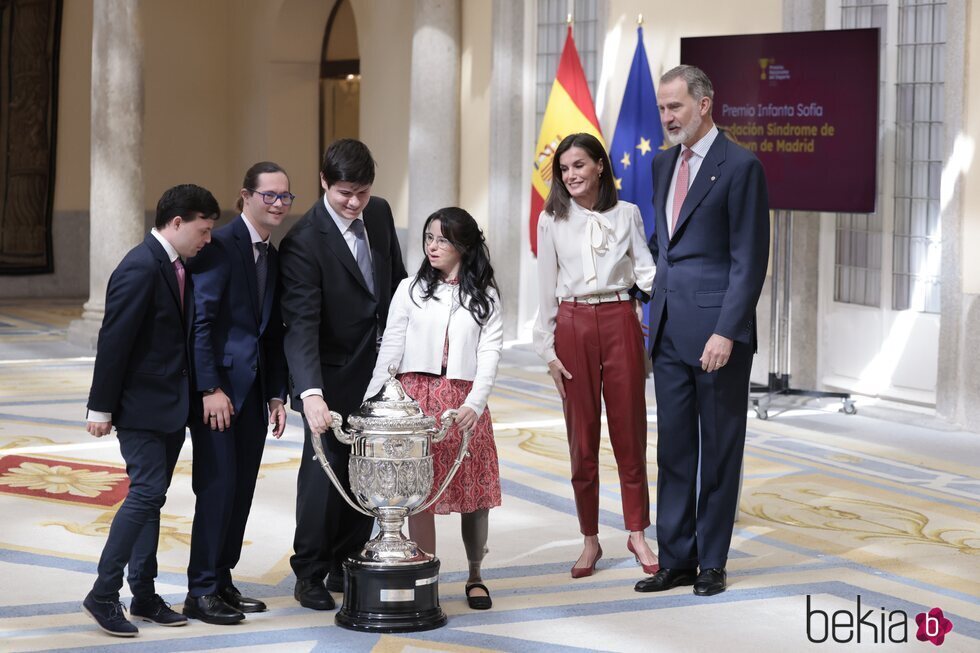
{"x": 698, "y": 84}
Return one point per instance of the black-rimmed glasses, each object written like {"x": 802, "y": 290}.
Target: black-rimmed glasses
{"x": 270, "y": 198}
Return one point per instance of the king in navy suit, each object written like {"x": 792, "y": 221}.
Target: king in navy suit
{"x": 142, "y": 385}
{"x": 711, "y": 248}
{"x": 240, "y": 369}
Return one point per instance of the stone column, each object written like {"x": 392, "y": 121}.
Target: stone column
{"x": 116, "y": 209}
{"x": 433, "y": 137}
{"x": 958, "y": 378}
{"x": 508, "y": 155}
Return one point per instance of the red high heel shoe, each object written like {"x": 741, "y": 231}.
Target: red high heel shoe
{"x": 647, "y": 569}
{"x": 582, "y": 572}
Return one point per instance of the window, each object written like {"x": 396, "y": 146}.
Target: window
{"x": 919, "y": 135}
{"x": 857, "y": 273}
{"x": 552, "y": 26}
{"x": 912, "y": 207}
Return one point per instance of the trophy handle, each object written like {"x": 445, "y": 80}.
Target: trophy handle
{"x": 447, "y": 420}
{"x": 321, "y": 456}
{"x": 464, "y": 446}
{"x": 337, "y": 426}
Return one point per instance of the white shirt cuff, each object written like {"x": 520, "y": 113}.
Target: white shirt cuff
{"x": 311, "y": 391}
{"x": 96, "y": 416}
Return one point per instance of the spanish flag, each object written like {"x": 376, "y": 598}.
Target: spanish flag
{"x": 570, "y": 110}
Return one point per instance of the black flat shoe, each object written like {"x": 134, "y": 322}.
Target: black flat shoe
{"x": 478, "y": 602}
{"x": 211, "y": 610}
{"x": 666, "y": 579}
{"x": 313, "y": 595}
{"x": 710, "y": 582}
{"x": 234, "y": 598}
{"x": 110, "y": 617}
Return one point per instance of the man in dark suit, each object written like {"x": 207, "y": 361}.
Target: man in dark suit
{"x": 340, "y": 265}
{"x": 240, "y": 369}
{"x": 141, "y": 384}
{"x": 712, "y": 249}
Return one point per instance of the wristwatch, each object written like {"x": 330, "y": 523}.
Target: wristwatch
{"x": 209, "y": 391}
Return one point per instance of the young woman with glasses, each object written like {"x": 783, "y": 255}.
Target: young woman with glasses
{"x": 450, "y": 313}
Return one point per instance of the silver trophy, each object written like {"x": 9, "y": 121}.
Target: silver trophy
{"x": 392, "y": 584}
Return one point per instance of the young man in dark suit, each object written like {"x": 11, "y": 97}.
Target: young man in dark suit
{"x": 141, "y": 384}
{"x": 340, "y": 265}
{"x": 712, "y": 249}
{"x": 240, "y": 369}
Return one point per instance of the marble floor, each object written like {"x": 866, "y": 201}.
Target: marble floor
{"x": 877, "y": 507}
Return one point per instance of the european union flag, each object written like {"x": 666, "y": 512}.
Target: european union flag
{"x": 638, "y": 137}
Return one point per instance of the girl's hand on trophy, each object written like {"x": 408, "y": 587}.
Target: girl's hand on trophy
{"x": 466, "y": 418}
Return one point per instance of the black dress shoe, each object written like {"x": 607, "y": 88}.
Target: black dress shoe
{"x": 666, "y": 579}
{"x": 211, "y": 610}
{"x": 234, "y": 598}
{"x": 313, "y": 595}
{"x": 710, "y": 582}
{"x": 335, "y": 582}
{"x": 155, "y": 610}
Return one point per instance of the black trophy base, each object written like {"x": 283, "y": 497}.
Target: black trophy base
{"x": 391, "y": 599}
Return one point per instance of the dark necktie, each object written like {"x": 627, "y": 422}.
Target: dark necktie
{"x": 361, "y": 253}
{"x": 181, "y": 279}
{"x": 261, "y": 270}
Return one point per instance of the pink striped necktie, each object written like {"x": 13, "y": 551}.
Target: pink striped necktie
{"x": 680, "y": 188}
{"x": 181, "y": 281}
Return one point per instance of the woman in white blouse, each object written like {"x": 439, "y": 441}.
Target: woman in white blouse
{"x": 592, "y": 258}
{"x": 444, "y": 335}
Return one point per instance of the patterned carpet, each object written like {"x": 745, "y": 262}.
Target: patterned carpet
{"x": 836, "y": 512}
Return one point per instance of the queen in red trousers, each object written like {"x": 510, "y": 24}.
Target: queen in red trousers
{"x": 593, "y": 261}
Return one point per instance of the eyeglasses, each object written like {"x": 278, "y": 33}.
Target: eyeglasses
{"x": 270, "y": 198}
{"x": 441, "y": 243}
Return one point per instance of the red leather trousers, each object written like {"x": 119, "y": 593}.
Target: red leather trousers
{"x": 601, "y": 346}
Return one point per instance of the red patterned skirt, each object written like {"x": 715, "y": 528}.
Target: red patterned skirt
{"x": 477, "y": 483}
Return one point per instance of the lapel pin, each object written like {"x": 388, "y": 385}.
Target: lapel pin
{"x": 713, "y": 178}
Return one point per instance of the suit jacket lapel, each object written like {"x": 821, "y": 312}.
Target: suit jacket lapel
{"x": 662, "y": 183}
{"x": 167, "y": 270}
{"x": 708, "y": 175}
{"x": 337, "y": 244}
{"x": 243, "y": 240}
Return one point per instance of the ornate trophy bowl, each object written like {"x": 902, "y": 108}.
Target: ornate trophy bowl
{"x": 391, "y": 585}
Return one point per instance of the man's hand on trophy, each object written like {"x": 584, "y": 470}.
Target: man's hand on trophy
{"x": 317, "y": 413}
{"x": 466, "y": 418}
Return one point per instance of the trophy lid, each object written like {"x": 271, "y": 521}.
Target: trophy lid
{"x": 391, "y": 409}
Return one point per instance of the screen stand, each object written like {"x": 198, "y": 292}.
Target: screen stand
{"x": 779, "y": 327}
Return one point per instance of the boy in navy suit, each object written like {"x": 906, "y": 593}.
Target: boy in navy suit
{"x": 141, "y": 384}
{"x": 240, "y": 368}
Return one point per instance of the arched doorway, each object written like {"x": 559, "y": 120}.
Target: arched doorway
{"x": 340, "y": 77}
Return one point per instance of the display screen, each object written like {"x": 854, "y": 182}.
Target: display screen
{"x": 806, "y": 103}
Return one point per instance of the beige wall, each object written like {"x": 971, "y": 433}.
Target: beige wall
{"x": 385, "y": 39}
{"x": 71, "y": 187}
{"x": 971, "y": 152}
{"x": 474, "y": 109}
{"x": 664, "y": 23}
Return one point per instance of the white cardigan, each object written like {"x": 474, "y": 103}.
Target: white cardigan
{"x": 474, "y": 351}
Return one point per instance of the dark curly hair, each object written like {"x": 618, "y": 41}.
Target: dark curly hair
{"x": 475, "y": 272}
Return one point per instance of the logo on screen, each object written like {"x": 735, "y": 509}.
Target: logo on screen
{"x": 770, "y": 70}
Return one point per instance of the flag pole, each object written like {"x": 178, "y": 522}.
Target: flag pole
{"x": 639, "y": 20}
